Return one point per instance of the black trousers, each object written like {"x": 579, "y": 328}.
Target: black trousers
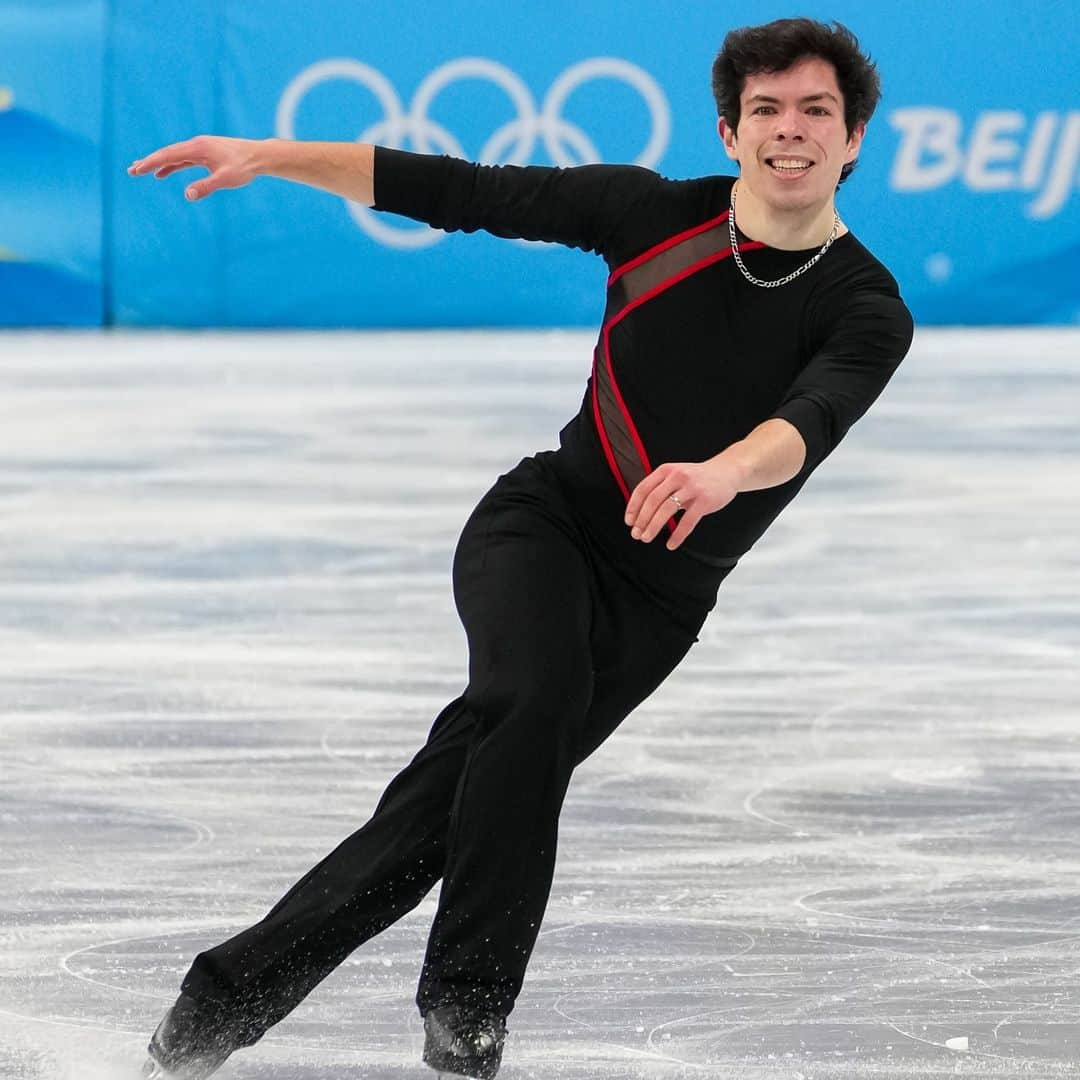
{"x": 563, "y": 644}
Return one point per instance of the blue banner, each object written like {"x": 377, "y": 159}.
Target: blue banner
{"x": 966, "y": 186}
{"x": 51, "y": 131}
{"x": 168, "y": 257}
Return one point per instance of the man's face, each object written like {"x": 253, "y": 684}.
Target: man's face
{"x": 790, "y": 118}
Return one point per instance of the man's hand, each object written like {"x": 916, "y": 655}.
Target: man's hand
{"x": 701, "y": 488}
{"x": 231, "y": 162}
{"x": 345, "y": 169}
{"x": 772, "y": 454}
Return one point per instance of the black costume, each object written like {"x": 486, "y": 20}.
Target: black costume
{"x": 570, "y": 622}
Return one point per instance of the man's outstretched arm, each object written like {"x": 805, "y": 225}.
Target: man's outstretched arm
{"x": 587, "y": 207}
{"x": 342, "y": 168}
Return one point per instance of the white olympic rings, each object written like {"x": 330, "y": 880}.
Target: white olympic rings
{"x": 513, "y": 143}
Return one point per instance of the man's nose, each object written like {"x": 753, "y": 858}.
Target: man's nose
{"x": 790, "y": 125}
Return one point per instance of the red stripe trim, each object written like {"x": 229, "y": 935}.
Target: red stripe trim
{"x": 638, "y": 444}
{"x": 750, "y": 245}
{"x": 613, "y": 465}
{"x": 608, "y": 452}
{"x": 605, "y": 339}
{"x": 671, "y": 241}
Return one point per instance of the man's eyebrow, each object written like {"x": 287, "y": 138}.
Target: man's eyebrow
{"x": 821, "y": 95}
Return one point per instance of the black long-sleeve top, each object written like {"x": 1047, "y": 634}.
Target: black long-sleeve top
{"x": 705, "y": 361}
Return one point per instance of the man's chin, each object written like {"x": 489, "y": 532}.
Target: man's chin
{"x": 777, "y": 191}
{"x": 788, "y": 202}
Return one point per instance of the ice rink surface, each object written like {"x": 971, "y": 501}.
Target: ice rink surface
{"x": 841, "y": 839}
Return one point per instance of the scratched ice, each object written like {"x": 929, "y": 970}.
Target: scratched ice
{"x": 841, "y": 840}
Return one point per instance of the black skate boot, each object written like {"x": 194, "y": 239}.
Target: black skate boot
{"x": 187, "y": 1044}
{"x": 464, "y": 1040}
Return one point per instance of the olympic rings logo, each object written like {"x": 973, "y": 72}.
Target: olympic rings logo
{"x": 513, "y": 143}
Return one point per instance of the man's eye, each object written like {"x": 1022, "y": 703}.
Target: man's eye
{"x": 818, "y": 109}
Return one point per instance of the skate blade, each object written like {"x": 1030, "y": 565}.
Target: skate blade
{"x": 459, "y": 1073}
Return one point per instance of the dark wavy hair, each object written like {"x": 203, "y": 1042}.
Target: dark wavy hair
{"x": 776, "y": 46}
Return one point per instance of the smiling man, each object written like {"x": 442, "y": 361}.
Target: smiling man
{"x": 746, "y": 330}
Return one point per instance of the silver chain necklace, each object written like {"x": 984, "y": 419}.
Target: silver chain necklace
{"x": 795, "y": 273}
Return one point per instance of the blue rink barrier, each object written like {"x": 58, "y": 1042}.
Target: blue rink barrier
{"x": 966, "y": 186}
{"x": 51, "y": 196}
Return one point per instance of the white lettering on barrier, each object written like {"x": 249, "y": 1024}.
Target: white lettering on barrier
{"x": 1002, "y": 153}
{"x": 929, "y": 131}
{"x": 991, "y": 146}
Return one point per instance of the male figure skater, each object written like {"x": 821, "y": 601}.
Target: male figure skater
{"x": 746, "y": 330}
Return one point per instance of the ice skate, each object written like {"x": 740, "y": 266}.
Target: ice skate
{"x": 461, "y": 1041}
{"x": 184, "y": 1046}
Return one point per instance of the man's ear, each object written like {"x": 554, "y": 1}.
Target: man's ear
{"x": 727, "y": 136}
{"x": 855, "y": 142}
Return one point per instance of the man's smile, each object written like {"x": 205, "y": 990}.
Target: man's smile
{"x": 789, "y": 165}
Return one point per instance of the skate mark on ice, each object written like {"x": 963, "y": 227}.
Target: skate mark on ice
{"x": 911, "y": 926}
{"x": 204, "y": 834}
{"x": 64, "y": 963}
{"x": 681, "y": 968}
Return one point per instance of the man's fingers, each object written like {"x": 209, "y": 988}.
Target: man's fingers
{"x": 156, "y": 162}
{"x": 201, "y": 189}
{"x": 653, "y": 518}
{"x": 641, "y": 519}
{"x": 168, "y": 170}
{"x": 652, "y": 505}
{"x": 219, "y": 156}
{"x": 167, "y": 155}
{"x": 189, "y": 152}
{"x": 657, "y": 509}
{"x": 685, "y": 527}
{"x": 641, "y": 505}
{"x": 638, "y": 496}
